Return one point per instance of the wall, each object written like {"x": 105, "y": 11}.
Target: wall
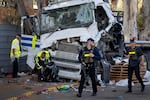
{"x": 7, "y": 33}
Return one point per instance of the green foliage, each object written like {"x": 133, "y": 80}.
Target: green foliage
{"x": 140, "y": 22}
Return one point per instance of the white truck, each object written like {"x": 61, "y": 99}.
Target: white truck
{"x": 65, "y": 26}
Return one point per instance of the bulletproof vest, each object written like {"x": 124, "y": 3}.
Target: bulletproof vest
{"x": 133, "y": 54}
{"x": 86, "y": 56}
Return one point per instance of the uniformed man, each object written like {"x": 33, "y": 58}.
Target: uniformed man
{"x": 87, "y": 56}
{"x": 136, "y": 60}
{"x": 15, "y": 53}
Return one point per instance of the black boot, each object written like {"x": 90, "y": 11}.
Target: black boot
{"x": 79, "y": 95}
{"x": 93, "y": 94}
{"x": 129, "y": 91}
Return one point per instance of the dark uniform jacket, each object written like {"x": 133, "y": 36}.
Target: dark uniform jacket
{"x": 135, "y": 55}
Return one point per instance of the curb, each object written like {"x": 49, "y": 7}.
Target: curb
{"x": 30, "y": 93}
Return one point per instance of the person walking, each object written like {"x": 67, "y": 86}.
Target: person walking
{"x": 136, "y": 60}
{"x": 15, "y": 53}
{"x": 87, "y": 56}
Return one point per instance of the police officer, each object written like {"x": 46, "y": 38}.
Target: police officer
{"x": 136, "y": 60}
{"x": 87, "y": 56}
{"x": 15, "y": 53}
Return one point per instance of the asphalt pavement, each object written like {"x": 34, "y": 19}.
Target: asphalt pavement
{"x": 26, "y": 89}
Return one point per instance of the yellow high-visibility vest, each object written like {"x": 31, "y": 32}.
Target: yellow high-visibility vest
{"x": 47, "y": 54}
{"x": 36, "y": 59}
{"x": 39, "y": 54}
{"x": 17, "y": 50}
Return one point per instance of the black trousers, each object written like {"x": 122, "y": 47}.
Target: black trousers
{"x": 93, "y": 79}
{"x": 47, "y": 73}
{"x": 38, "y": 72}
{"x": 137, "y": 74}
{"x": 15, "y": 68}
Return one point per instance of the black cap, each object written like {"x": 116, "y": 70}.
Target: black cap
{"x": 90, "y": 39}
{"x": 18, "y": 35}
{"x": 44, "y": 52}
{"x": 132, "y": 40}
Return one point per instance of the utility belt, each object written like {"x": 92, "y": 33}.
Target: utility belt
{"x": 87, "y": 68}
{"x": 88, "y": 60}
{"x": 89, "y": 65}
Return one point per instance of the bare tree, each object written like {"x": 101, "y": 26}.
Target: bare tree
{"x": 114, "y": 4}
{"x": 130, "y": 14}
{"x": 20, "y": 7}
{"x": 22, "y": 12}
{"x": 146, "y": 15}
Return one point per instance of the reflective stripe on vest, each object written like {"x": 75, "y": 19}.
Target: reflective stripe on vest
{"x": 47, "y": 54}
{"x": 132, "y": 53}
{"x": 17, "y": 50}
{"x": 87, "y": 55}
{"x": 34, "y": 39}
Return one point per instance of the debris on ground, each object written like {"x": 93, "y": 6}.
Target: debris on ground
{"x": 147, "y": 76}
{"x": 49, "y": 97}
{"x": 45, "y": 92}
{"x": 123, "y": 82}
{"x": 13, "y": 81}
{"x": 21, "y": 74}
{"x": 64, "y": 88}
{"x": 120, "y": 97}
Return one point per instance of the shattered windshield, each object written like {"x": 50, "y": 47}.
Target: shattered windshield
{"x": 69, "y": 17}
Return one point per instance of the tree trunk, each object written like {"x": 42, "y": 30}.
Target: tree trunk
{"x": 41, "y": 4}
{"x": 21, "y": 8}
{"x": 146, "y": 12}
{"x": 22, "y": 12}
{"x": 114, "y": 4}
{"x": 130, "y": 24}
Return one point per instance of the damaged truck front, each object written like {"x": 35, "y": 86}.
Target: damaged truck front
{"x": 64, "y": 27}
